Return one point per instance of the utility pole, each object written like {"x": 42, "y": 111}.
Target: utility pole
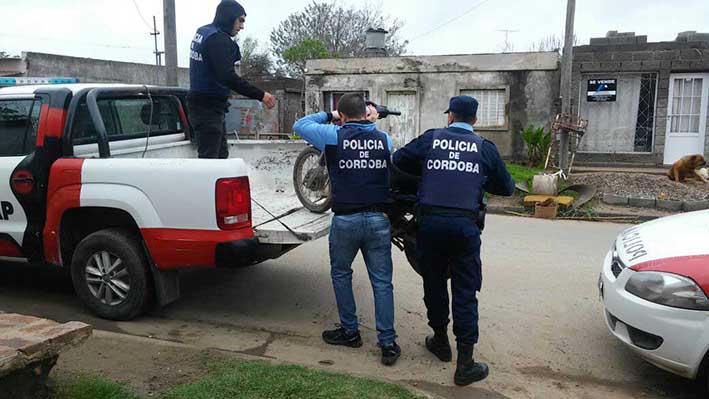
{"x": 158, "y": 54}
{"x": 170, "y": 27}
{"x": 566, "y": 71}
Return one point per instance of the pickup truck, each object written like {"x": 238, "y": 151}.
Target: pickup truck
{"x": 102, "y": 181}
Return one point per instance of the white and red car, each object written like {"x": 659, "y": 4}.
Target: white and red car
{"x": 654, "y": 286}
{"x": 102, "y": 180}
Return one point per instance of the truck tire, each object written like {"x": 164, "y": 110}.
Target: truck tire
{"x": 311, "y": 182}
{"x": 110, "y": 274}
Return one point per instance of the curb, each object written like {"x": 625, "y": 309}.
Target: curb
{"x": 656, "y": 203}
{"x": 505, "y": 210}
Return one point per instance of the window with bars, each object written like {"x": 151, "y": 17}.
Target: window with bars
{"x": 645, "y": 127}
{"x": 491, "y": 108}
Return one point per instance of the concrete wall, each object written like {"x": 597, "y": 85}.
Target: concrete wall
{"x": 626, "y": 56}
{"x": 89, "y": 70}
{"x": 530, "y": 82}
{"x": 258, "y": 120}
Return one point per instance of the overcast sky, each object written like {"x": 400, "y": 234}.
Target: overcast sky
{"x": 113, "y": 29}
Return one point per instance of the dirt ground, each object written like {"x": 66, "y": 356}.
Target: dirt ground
{"x": 641, "y": 185}
{"x": 542, "y": 327}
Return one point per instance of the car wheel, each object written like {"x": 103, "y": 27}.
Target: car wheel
{"x": 110, "y": 274}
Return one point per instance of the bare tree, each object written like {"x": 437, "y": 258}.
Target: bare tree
{"x": 341, "y": 28}
{"x": 551, "y": 43}
{"x": 254, "y": 61}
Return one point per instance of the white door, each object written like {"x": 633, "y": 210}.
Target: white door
{"x": 687, "y": 116}
{"x": 404, "y": 128}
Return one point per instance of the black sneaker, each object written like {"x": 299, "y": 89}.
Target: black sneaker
{"x": 390, "y": 354}
{"x": 341, "y": 337}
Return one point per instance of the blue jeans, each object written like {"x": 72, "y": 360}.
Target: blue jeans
{"x": 443, "y": 243}
{"x": 369, "y": 232}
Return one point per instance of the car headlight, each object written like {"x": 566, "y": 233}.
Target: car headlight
{"x": 668, "y": 289}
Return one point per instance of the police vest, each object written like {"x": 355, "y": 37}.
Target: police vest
{"x": 452, "y": 172}
{"x": 359, "y": 168}
{"x": 202, "y": 77}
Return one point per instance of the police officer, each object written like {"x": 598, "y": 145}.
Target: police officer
{"x": 213, "y": 54}
{"x": 358, "y": 157}
{"x": 456, "y": 167}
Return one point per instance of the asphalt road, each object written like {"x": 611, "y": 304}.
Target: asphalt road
{"x": 542, "y": 329}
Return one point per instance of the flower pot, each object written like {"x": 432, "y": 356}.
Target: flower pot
{"x": 545, "y": 211}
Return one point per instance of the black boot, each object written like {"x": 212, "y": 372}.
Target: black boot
{"x": 467, "y": 371}
{"x": 438, "y": 345}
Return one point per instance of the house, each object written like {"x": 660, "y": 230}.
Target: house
{"x": 646, "y": 102}
{"x": 514, "y": 90}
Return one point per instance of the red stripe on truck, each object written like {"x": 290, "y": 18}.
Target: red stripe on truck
{"x": 695, "y": 267}
{"x": 8, "y": 247}
{"x": 180, "y": 248}
{"x": 63, "y": 193}
{"x": 51, "y": 123}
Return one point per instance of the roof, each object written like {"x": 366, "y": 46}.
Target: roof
{"x": 74, "y": 87}
{"x": 506, "y": 62}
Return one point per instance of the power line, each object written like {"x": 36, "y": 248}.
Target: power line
{"x": 141, "y": 15}
{"x": 450, "y": 20}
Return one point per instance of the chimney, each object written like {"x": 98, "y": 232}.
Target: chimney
{"x": 375, "y": 43}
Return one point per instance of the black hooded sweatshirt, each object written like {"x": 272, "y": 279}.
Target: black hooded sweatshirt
{"x": 217, "y": 51}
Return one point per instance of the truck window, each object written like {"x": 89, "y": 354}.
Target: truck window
{"x": 129, "y": 118}
{"x": 19, "y": 120}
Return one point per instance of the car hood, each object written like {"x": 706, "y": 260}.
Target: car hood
{"x": 676, "y": 244}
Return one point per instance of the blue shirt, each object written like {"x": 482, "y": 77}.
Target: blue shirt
{"x": 316, "y": 130}
{"x": 499, "y": 182}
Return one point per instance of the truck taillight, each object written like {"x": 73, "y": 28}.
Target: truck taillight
{"x": 233, "y": 203}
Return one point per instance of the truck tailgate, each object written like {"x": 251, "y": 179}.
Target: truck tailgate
{"x": 271, "y": 178}
{"x": 302, "y": 221}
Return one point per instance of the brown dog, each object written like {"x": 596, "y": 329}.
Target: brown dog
{"x": 687, "y": 167}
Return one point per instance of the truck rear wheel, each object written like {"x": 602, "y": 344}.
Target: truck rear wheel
{"x": 110, "y": 274}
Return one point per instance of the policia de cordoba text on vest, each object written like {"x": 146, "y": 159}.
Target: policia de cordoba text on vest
{"x": 363, "y": 146}
{"x": 454, "y": 164}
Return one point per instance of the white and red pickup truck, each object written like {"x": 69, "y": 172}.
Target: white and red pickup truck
{"x": 101, "y": 180}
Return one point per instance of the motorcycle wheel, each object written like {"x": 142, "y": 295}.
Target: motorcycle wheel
{"x": 311, "y": 181}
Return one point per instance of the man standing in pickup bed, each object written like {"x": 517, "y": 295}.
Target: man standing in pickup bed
{"x": 213, "y": 54}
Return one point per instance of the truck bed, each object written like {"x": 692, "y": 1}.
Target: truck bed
{"x": 271, "y": 179}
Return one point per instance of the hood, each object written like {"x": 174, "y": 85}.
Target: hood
{"x": 227, "y": 13}
{"x": 677, "y": 244}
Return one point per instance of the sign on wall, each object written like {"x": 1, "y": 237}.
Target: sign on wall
{"x": 602, "y": 90}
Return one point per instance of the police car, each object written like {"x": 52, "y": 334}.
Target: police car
{"x": 100, "y": 180}
{"x": 654, "y": 287}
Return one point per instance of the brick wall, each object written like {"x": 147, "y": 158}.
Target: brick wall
{"x": 633, "y": 54}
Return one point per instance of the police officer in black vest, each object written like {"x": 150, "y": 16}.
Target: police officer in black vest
{"x": 358, "y": 157}
{"x": 213, "y": 54}
{"x": 456, "y": 168}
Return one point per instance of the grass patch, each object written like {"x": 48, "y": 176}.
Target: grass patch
{"x": 247, "y": 380}
{"x": 523, "y": 173}
{"x": 91, "y": 388}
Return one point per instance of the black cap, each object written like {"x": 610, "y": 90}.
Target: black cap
{"x": 463, "y": 105}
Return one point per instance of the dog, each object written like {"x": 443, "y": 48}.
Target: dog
{"x": 686, "y": 167}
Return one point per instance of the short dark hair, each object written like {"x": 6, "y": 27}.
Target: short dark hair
{"x": 463, "y": 118}
{"x": 352, "y": 105}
